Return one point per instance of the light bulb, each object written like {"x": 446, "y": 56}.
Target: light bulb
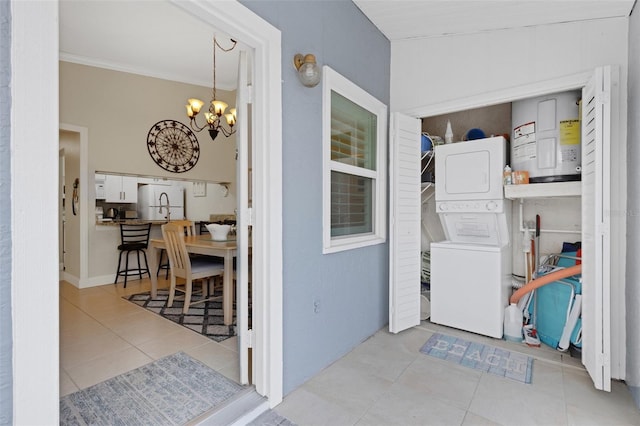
{"x": 308, "y": 70}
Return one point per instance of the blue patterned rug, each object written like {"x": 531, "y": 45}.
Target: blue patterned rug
{"x": 170, "y": 391}
{"x": 474, "y": 355}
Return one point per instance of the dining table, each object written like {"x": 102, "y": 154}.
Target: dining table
{"x": 204, "y": 245}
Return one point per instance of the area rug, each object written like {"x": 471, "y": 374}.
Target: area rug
{"x": 204, "y": 318}
{"x": 474, "y": 355}
{"x": 170, "y": 391}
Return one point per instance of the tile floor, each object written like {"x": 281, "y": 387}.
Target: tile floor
{"x": 387, "y": 381}
{"x": 383, "y": 381}
{"x": 103, "y": 335}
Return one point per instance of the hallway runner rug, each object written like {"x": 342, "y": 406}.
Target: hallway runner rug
{"x": 490, "y": 359}
{"x": 204, "y": 318}
{"x": 170, "y": 391}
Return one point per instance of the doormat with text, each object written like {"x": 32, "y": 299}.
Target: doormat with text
{"x": 478, "y": 356}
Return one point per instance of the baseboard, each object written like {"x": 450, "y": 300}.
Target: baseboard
{"x": 635, "y": 393}
{"x": 87, "y": 282}
{"x": 97, "y": 281}
{"x": 72, "y": 279}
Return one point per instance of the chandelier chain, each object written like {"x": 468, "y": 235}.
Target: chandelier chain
{"x": 216, "y": 44}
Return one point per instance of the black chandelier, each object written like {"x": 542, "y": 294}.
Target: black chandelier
{"x": 213, "y": 116}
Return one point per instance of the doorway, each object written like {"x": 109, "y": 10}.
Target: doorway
{"x": 39, "y": 160}
{"x": 253, "y": 46}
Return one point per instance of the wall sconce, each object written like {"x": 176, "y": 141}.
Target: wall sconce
{"x": 308, "y": 70}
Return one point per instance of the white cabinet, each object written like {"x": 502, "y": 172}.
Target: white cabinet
{"x": 121, "y": 189}
{"x": 154, "y": 181}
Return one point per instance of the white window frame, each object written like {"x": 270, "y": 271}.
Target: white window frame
{"x": 334, "y": 82}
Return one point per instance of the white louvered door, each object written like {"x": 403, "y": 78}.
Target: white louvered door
{"x": 596, "y": 226}
{"x": 404, "y": 229}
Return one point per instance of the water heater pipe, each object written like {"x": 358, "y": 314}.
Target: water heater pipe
{"x": 550, "y": 231}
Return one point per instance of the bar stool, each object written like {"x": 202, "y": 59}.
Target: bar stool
{"x": 133, "y": 238}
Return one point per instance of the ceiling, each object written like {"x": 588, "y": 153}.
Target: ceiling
{"x": 407, "y": 19}
{"x": 159, "y": 39}
{"x": 152, "y": 38}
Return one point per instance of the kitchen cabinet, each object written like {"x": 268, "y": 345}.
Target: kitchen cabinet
{"x": 121, "y": 189}
{"x": 155, "y": 181}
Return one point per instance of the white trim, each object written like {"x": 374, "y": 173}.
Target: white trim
{"x": 85, "y": 211}
{"x": 242, "y": 24}
{"x": 110, "y": 65}
{"x": 243, "y": 221}
{"x": 334, "y": 82}
{"x": 34, "y": 211}
{"x": 561, "y": 84}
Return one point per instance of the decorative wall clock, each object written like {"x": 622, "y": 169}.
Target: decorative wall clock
{"x": 173, "y": 146}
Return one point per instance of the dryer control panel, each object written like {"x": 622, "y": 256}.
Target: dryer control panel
{"x": 471, "y": 206}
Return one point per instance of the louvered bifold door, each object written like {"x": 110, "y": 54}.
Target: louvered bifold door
{"x": 404, "y": 229}
{"x": 596, "y": 219}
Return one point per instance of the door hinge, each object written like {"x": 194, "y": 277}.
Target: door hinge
{"x": 249, "y": 338}
{"x": 249, "y": 216}
{"x": 249, "y": 93}
{"x": 602, "y": 359}
{"x": 604, "y": 97}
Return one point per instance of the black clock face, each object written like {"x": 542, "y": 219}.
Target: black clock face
{"x": 173, "y": 146}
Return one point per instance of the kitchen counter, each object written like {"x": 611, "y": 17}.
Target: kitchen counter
{"x": 130, "y": 222}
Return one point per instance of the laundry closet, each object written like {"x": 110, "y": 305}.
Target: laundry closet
{"x": 553, "y": 203}
{"x": 487, "y": 235}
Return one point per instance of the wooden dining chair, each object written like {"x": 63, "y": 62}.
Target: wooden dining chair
{"x": 183, "y": 266}
{"x": 189, "y": 229}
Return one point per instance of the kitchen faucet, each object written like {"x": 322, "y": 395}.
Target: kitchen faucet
{"x": 168, "y": 206}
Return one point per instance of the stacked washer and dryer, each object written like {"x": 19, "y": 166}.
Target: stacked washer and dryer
{"x": 471, "y": 269}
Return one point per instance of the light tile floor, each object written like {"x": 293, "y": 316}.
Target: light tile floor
{"x": 383, "y": 381}
{"x": 387, "y": 381}
{"x": 103, "y": 335}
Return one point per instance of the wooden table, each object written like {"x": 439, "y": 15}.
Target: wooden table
{"x": 202, "y": 244}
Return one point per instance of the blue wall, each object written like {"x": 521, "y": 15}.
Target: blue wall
{"x": 633, "y": 208}
{"x": 6, "y": 361}
{"x": 351, "y": 287}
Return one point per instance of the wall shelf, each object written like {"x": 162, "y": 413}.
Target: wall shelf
{"x": 543, "y": 190}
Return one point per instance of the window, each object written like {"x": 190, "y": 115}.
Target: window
{"x": 354, "y": 165}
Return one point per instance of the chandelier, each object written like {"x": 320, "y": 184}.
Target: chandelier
{"x": 213, "y": 116}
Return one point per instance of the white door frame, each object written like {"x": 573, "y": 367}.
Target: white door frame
{"x": 244, "y": 25}
{"x": 85, "y": 213}
{"x": 34, "y": 179}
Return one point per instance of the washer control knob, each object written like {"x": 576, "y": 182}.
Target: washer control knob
{"x": 491, "y": 206}
{"x": 443, "y": 207}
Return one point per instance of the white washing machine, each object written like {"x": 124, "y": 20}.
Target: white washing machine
{"x": 471, "y": 271}
{"x": 470, "y": 286}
